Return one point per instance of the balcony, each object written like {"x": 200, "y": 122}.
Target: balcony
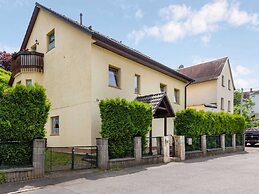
{"x": 27, "y": 61}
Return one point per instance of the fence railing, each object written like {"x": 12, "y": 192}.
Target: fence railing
{"x": 228, "y": 141}
{"x": 239, "y": 139}
{"x": 192, "y": 144}
{"x": 70, "y": 158}
{"x": 152, "y": 146}
{"x": 213, "y": 142}
{"x": 15, "y": 154}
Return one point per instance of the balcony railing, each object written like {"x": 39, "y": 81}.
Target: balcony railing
{"x": 27, "y": 61}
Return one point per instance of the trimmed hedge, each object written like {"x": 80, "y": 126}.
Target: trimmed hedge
{"x": 121, "y": 122}
{"x": 194, "y": 123}
{"x": 23, "y": 114}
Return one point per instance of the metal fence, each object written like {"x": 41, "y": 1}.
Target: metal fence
{"x": 192, "y": 144}
{"x": 152, "y": 146}
{"x": 213, "y": 142}
{"x": 15, "y": 154}
{"x": 228, "y": 141}
{"x": 70, "y": 158}
{"x": 239, "y": 139}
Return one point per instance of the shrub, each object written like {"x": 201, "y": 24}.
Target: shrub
{"x": 121, "y": 122}
{"x": 195, "y": 123}
{"x": 3, "y": 177}
{"x": 23, "y": 114}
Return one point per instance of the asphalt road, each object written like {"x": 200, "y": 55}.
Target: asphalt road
{"x": 233, "y": 173}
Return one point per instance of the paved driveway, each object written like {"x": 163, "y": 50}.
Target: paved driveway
{"x": 235, "y": 174}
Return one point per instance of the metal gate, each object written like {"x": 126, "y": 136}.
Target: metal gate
{"x": 70, "y": 158}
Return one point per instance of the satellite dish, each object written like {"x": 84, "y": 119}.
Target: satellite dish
{"x": 180, "y": 67}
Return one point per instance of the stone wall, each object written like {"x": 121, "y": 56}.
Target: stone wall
{"x": 105, "y": 163}
{"x": 216, "y": 151}
{"x": 36, "y": 171}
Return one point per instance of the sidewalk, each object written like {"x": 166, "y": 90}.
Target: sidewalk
{"x": 49, "y": 179}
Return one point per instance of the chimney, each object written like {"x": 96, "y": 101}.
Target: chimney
{"x": 81, "y": 19}
{"x": 251, "y": 89}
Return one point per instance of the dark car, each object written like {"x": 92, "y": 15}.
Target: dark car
{"x": 252, "y": 136}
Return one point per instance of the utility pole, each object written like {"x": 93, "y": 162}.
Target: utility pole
{"x": 241, "y": 101}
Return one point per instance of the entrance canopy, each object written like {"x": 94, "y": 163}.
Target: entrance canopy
{"x": 161, "y": 106}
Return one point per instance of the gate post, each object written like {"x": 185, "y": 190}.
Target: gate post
{"x": 165, "y": 149}
{"x": 103, "y": 155}
{"x": 204, "y": 145}
{"x": 137, "y": 148}
{"x": 222, "y": 142}
{"x": 180, "y": 147}
{"x": 38, "y": 158}
{"x": 234, "y": 143}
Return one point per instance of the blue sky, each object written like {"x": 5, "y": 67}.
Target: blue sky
{"x": 176, "y": 32}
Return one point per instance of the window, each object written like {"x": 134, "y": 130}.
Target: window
{"x": 28, "y": 82}
{"x": 222, "y": 81}
{"x": 19, "y": 82}
{"x": 229, "y": 83}
{"x": 176, "y": 96}
{"x": 222, "y": 103}
{"x": 229, "y": 106}
{"x": 163, "y": 88}
{"x": 137, "y": 84}
{"x": 55, "y": 125}
{"x": 51, "y": 40}
{"x": 114, "y": 77}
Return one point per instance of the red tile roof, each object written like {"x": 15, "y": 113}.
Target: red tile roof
{"x": 205, "y": 71}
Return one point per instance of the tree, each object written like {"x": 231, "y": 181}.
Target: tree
{"x": 5, "y": 60}
{"x": 246, "y": 109}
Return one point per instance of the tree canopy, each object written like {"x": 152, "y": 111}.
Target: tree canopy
{"x": 5, "y": 60}
{"x": 246, "y": 109}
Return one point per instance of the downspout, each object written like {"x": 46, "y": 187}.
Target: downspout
{"x": 185, "y": 94}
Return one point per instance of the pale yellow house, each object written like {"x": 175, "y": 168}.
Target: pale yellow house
{"x": 78, "y": 67}
{"x": 213, "y": 88}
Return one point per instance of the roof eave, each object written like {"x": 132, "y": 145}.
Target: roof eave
{"x": 137, "y": 57}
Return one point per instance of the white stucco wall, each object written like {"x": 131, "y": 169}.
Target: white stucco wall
{"x": 224, "y": 91}
{"x": 76, "y": 78}
{"x": 202, "y": 93}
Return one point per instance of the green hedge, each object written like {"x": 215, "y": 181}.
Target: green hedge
{"x": 23, "y": 114}
{"x": 121, "y": 122}
{"x": 194, "y": 123}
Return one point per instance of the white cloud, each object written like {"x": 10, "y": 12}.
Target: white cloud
{"x": 244, "y": 77}
{"x": 241, "y": 70}
{"x": 8, "y": 49}
{"x": 206, "y": 39}
{"x": 198, "y": 59}
{"x": 139, "y": 14}
{"x": 17, "y": 3}
{"x": 181, "y": 21}
{"x": 245, "y": 83}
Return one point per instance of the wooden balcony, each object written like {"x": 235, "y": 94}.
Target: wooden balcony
{"x": 27, "y": 61}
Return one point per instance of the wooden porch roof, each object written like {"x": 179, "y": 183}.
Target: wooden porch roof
{"x": 160, "y": 103}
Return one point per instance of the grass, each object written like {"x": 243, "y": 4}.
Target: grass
{"x": 59, "y": 160}
{"x": 4, "y": 78}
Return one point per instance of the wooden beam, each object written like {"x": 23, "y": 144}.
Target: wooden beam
{"x": 165, "y": 126}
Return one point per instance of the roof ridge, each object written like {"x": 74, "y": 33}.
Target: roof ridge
{"x": 205, "y": 63}
{"x": 131, "y": 51}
